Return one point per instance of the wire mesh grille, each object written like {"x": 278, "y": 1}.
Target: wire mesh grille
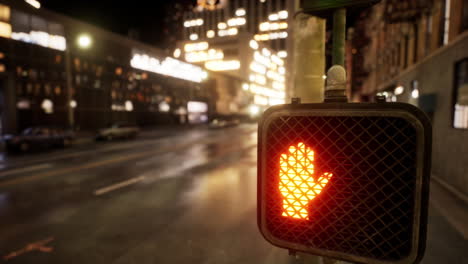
{"x": 367, "y": 207}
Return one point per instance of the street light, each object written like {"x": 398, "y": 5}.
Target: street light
{"x": 84, "y": 41}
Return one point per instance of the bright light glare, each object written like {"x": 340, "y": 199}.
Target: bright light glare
{"x": 177, "y": 53}
{"x": 399, "y": 90}
{"x": 415, "y": 93}
{"x": 254, "y": 110}
{"x": 221, "y": 65}
{"x": 193, "y": 36}
{"x": 84, "y": 41}
{"x": 128, "y": 106}
{"x": 73, "y": 104}
{"x": 245, "y": 86}
{"x": 169, "y": 66}
{"x": 298, "y": 185}
{"x": 210, "y": 34}
{"x": 253, "y": 44}
{"x": 282, "y": 54}
{"x": 240, "y": 12}
{"x": 34, "y": 3}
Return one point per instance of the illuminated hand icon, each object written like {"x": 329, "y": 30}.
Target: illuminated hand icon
{"x": 298, "y": 185}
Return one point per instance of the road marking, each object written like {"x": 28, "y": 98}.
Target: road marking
{"x": 24, "y": 170}
{"x": 40, "y": 246}
{"x": 119, "y": 185}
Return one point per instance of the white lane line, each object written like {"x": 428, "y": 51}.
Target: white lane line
{"x": 26, "y": 169}
{"x": 119, "y": 185}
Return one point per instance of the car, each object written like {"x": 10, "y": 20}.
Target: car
{"x": 223, "y": 122}
{"x": 40, "y": 137}
{"x": 117, "y": 131}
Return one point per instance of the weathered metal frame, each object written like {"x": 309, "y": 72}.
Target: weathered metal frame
{"x": 410, "y": 113}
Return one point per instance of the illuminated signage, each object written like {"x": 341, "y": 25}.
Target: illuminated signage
{"x": 220, "y": 65}
{"x": 169, "y": 66}
{"x": 298, "y": 184}
{"x": 41, "y": 38}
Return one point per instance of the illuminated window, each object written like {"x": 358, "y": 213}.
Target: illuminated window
{"x": 298, "y": 184}
{"x": 5, "y": 13}
{"x": 460, "y": 117}
{"x": 193, "y": 36}
{"x": 5, "y": 30}
{"x": 210, "y": 34}
{"x": 48, "y": 106}
{"x": 240, "y": 12}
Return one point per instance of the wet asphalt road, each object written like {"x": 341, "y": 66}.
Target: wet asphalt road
{"x": 188, "y": 196}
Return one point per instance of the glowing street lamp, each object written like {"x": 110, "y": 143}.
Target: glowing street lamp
{"x": 84, "y": 41}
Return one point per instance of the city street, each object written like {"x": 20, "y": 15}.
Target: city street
{"x": 188, "y": 196}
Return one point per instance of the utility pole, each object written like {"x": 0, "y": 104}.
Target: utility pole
{"x": 68, "y": 106}
{"x": 309, "y": 57}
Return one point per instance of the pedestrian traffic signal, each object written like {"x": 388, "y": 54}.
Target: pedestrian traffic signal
{"x": 345, "y": 180}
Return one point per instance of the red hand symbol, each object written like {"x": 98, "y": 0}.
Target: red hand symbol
{"x": 297, "y": 183}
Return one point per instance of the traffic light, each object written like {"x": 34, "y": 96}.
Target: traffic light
{"x": 345, "y": 180}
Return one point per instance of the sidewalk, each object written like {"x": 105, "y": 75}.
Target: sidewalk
{"x": 453, "y": 207}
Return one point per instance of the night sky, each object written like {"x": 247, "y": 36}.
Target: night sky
{"x": 151, "y": 19}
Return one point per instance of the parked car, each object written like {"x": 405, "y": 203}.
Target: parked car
{"x": 222, "y": 123}
{"x": 41, "y": 137}
{"x": 118, "y": 130}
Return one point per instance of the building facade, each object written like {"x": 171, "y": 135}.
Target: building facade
{"x": 55, "y": 70}
{"x": 417, "y": 52}
{"x": 244, "y": 39}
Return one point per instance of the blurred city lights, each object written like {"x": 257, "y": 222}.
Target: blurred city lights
{"x": 34, "y": 3}
{"x": 128, "y": 106}
{"x": 254, "y": 110}
{"x": 193, "y": 36}
{"x": 253, "y": 44}
{"x": 240, "y": 12}
{"x": 399, "y": 90}
{"x": 282, "y": 54}
{"x": 210, "y": 34}
{"x": 73, "y": 104}
{"x": 415, "y": 93}
{"x": 222, "y": 25}
{"x": 220, "y": 65}
{"x": 169, "y": 67}
{"x": 193, "y": 22}
{"x": 196, "y": 46}
{"x": 245, "y": 86}
{"x": 84, "y": 41}
{"x": 48, "y": 106}
{"x": 177, "y": 53}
